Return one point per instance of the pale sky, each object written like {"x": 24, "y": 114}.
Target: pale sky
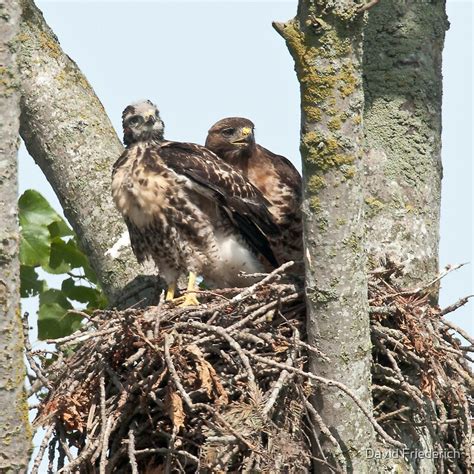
{"x": 201, "y": 61}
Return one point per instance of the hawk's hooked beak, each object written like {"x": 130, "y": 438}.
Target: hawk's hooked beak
{"x": 150, "y": 120}
{"x": 245, "y": 136}
{"x": 246, "y": 131}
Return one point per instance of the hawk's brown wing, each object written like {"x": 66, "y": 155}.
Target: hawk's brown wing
{"x": 287, "y": 172}
{"x": 243, "y": 204}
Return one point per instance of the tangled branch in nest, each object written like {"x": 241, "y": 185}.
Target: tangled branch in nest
{"x": 421, "y": 371}
{"x": 224, "y": 387}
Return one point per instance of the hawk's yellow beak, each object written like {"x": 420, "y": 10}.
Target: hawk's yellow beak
{"x": 243, "y": 139}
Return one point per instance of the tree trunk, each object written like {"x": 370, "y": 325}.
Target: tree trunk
{"x": 402, "y": 120}
{"x": 325, "y": 41}
{"x": 68, "y": 133}
{"x": 15, "y": 433}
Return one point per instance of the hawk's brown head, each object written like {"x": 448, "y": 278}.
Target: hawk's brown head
{"x": 142, "y": 122}
{"x": 232, "y": 135}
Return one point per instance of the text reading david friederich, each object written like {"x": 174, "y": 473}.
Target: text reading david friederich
{"x": 412, "y": 454}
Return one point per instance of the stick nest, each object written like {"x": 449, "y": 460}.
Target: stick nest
{"x": 224, "y": 386}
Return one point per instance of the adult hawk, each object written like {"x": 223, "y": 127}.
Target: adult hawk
{"x": 233, "y": 140}
{"x": 187, "y": 209}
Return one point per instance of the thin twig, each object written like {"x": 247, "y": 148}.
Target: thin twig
{"x": 167, "y": 451}
{"x": 455, "y": 306}
{"x": 106, "y": 425}
{"x": 131, "y": 452}
{"x": 420, "y": 289}
{"x": 42, "y": 449}
{"x": 459, "y": 330}
{"x": 225, "y": 335}
{"x": 387, "y": 416}
{"x": 340, "y": 386}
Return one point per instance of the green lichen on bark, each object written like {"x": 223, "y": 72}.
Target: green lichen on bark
{"x": 315, "y": 183}
{"x": 402, "y": 119}
{"x": 325, "y": 151}
{"x": 373, "y": 206}
{"x": 8, "y": 83}
{"x": 325, "y": 41}
{"x": 322, "y": 51}
{"x": 335, "y": 124}
{"x": 403, "y": 88}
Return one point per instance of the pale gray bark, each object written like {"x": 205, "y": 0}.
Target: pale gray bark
{"x": 68, "y": 133}
{"x": 15, "y": 433}
{"x": 402, "y": 121}
{"x": 325, "y": 40}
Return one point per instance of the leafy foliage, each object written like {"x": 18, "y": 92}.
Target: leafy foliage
{"x": 49, "y": 244}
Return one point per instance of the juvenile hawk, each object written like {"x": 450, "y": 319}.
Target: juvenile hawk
{"x": 233, "y": 140}
{"x": 187, "y": 209}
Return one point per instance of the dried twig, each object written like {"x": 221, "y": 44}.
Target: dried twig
{"x": 44, "y": 444}
{"x": 340, "y": 386}
{"x": 455, "y": 306}
{"x": 231, "y": 362}
{"x": 460, "y": 331}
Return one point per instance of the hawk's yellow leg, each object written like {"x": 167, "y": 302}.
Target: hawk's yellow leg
{"x": 190, "y": 299}
{"x": 170, "y": 292}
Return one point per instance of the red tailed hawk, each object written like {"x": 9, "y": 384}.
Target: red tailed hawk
{"x": 233, "y": 140}
{"x": 186, "y": 209}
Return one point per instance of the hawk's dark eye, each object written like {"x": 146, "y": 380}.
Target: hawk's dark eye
{"x": 227, "y": 132}
{"x": 136, "y": 120}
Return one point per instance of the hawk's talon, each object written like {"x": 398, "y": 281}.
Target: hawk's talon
{"x": 189, "y": 299}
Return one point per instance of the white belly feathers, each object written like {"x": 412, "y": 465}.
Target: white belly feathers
{"x": 234, "y": 257}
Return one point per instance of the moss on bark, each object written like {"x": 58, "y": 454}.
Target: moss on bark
{"x": 403, "y": 89}
{"x": 326, "y": 44}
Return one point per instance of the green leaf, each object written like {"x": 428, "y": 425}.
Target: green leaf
{"x": 43, "y": 243}
{"x": 81, "y": 293}
{"x": 53, "y": 319}
{"x": 65, "y": 256}
{"x": 89, "y": 273}
{"x": 34, "y": 245}
{"x": 35, "y": 210}
{"x": 54, "y": 296}
{"x": 60, "y": 257}
{"x": 31, "y": 285}
{"x": 60, "y": 229}
{"x": 39, "y": 222}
